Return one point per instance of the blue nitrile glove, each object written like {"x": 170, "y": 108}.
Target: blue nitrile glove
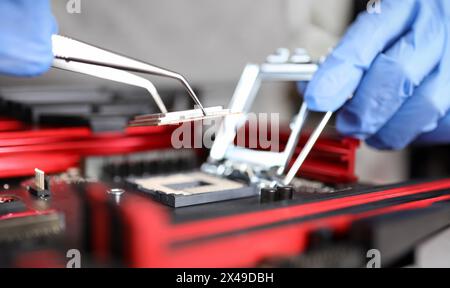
{"x": 26, "y": 27}
{"x": 397, "y": 64}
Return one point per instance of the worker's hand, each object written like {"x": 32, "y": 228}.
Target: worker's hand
{"x": 26, "y": 27}
{"x": 397, "y": 64}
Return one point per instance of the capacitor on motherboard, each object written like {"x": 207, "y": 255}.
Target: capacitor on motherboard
{"x": 268, "y": 195}
{"x": 285, "y": 193}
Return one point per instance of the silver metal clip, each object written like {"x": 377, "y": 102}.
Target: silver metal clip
{"x": 266, "y": 166}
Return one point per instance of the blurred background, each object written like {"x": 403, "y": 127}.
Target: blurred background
{"x": 210, "y": 42}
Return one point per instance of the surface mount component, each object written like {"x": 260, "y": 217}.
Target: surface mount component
{"x": 179, "y": 190}
{"x": 273, "y": 194}
{"x": 179, "y": 117}
{"x": 268, "y": 195}
{"x": 76, "y": 56}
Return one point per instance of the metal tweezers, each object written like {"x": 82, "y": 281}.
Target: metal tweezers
{"x": 76, "y": 56}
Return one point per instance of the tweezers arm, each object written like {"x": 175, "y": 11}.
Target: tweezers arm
{"x": 74, "y": 50}
{"x": 112, "y": 75}
{"x": 68, "y": 49}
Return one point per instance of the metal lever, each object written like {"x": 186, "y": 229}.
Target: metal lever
{"x": 70, "y": 50}
{"x": 243, "y": 98}
{"x": 307, "y": 148}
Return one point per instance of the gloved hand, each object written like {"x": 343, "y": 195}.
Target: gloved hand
{"x": 26, "y": 27}
{"x": 397, "y": 64}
